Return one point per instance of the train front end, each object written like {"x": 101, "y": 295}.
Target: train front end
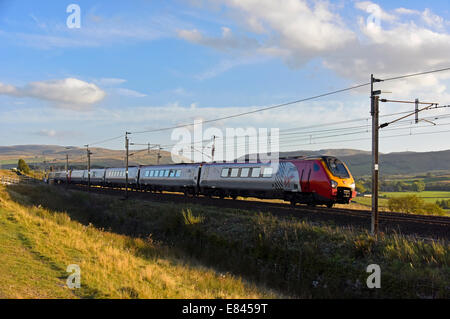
{"x": 341, "y": 180}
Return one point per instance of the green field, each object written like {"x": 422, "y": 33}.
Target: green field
{"x": 427, "y": 196}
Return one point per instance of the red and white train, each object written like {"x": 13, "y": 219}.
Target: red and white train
{"x": 321, "y": 180}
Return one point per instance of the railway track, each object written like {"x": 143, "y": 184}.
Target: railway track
{"x": 419, "y": 225}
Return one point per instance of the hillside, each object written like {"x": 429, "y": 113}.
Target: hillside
{"x": 37, "y": 245}
{"x": 169, "y": 250}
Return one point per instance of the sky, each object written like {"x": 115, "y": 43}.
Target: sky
{"x": 134, "y": 66}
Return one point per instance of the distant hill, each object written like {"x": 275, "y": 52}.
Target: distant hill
{"x": 55, "y": 156}
{"x": 358, "y": 161}
{"x": 400, "y": 163}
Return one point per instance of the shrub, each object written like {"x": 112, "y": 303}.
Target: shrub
{"x": 406, "y": 204}
{"x": 412, "y": 204}
{"x": 23, "y": 166}
{"x": 445, "y": 204}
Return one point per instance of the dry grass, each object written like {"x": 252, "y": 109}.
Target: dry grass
{"x": 112, "y": 265}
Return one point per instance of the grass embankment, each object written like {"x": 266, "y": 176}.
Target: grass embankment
{"x": 295, "y": 257}
{"x": 37, "y": 245}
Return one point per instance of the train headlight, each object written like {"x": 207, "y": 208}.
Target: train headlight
{"x": 353, "y": 186}
{"x": 334, "y": 184}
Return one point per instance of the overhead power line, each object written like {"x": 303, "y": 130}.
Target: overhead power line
{"x": 275, "y": 106}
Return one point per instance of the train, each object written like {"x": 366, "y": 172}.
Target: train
{"x": 317, "y": 180}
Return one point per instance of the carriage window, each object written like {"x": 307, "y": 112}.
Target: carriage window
{"x": 234, "y": 172}
{"x": 166, "y": 173}
{"x": 256, "y": 171}
{"x": 244, "y": 172}
{"x": 268, "y": 172}
{"x": 225, "y": 172}
{"x": 172, "y": 173}
{"x": 150, "y": 173}
{"x": 178, "y": 174}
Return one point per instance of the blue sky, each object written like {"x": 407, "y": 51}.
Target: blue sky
{"x": 138, "y": 65}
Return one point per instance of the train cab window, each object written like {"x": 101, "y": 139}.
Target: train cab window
{"x": 166, "y": 173}
{"x": 234, "y": 172}
{"x": 172, "y": 173}
{"x": 225, "y": 172}
{"x": 256, "y": 171}
{"x": 337, "y": 168}
{"x": 268, "y": 172}
{"x": 245, "y": 171}
{"x": 178, "y": 173}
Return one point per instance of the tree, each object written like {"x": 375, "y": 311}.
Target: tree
{"x": 360, "y": 188}
{"x": 418, "y": 186}
{"x": 22, "y": 166}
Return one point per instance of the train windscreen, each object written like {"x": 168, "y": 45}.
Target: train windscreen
{"x": 337, "y": 168}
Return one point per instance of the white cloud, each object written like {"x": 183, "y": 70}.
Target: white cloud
{"x": 130, "y": 93}
{"x": 432, "y": 19}
{"x": 404, "y": 41}
{"x": 66, "y": 93}
{"x": 46, "y": 132}
{"x": 406, "y": 11}
{"x": 228, "y": 41}
{"x": 294, "y": 30}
